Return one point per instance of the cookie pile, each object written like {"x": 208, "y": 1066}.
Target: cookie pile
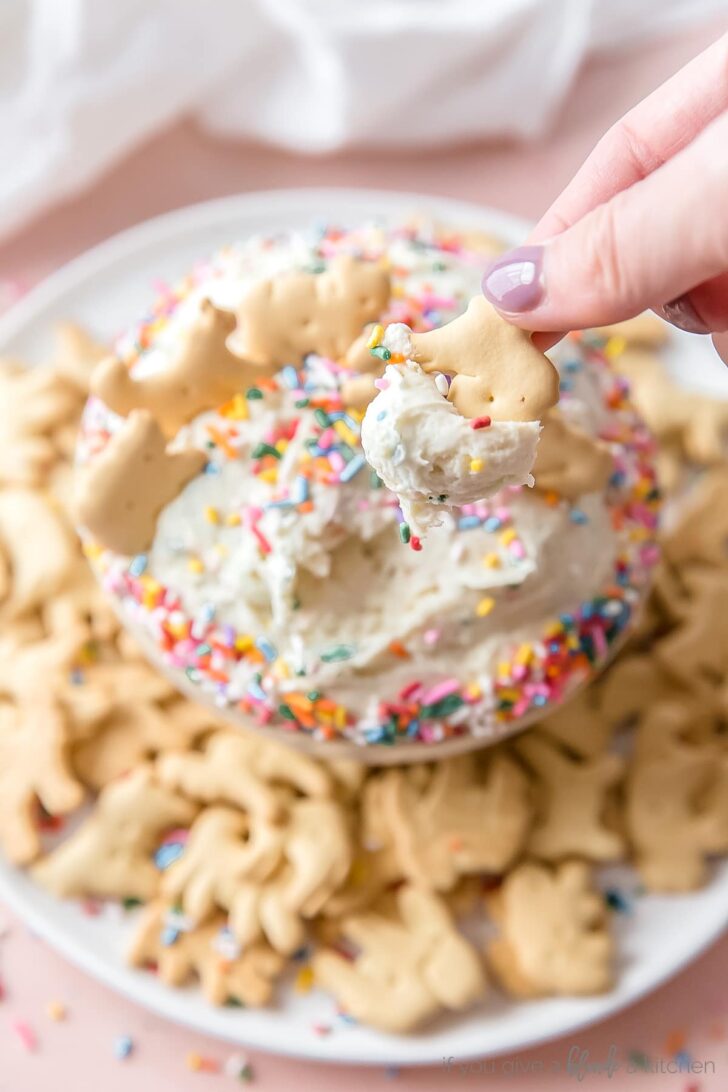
{"x": 244, "y": 852}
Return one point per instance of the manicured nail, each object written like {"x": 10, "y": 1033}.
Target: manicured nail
{"x": 514, "y": 282}
{"x": 720, "y": 341}
{"x": 681, "y": 313}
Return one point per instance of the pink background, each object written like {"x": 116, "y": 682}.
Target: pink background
{"x": 178, "y": 167}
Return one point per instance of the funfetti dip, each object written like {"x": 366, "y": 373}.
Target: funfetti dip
{"x": 279, "y": 580}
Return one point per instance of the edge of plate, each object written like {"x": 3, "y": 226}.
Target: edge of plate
{"x": 71, "y": 276}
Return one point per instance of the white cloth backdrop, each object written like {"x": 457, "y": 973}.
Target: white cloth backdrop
{"x": 82, "y": 81}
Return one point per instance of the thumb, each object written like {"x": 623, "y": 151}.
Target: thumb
{"x": 646, "y": 246}
{"x": 721, "y": 345}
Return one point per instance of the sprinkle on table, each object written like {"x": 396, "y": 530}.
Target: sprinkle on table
{"x": 123, "y": 1047}
{"x": 199, "y": 1063}
{"x": 675, "y": 1041}
{"x": 25, "y": 1035}
{"x": 193, "y": 1061}
{"x": 638, "y": 1060}
{"x": 238, "y": 1067}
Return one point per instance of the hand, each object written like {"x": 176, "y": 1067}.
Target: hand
{"x": 644, "y": 223}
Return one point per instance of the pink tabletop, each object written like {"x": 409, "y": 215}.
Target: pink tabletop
{"x": 689, "y": 1016}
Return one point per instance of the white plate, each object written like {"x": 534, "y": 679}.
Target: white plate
{"x": 108, "y": 288}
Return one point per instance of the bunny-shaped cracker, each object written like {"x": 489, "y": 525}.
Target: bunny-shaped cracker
{"x": 203, "y": 375}
{"x": 122, "y": 492}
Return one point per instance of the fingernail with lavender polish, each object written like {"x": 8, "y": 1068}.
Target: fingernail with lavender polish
{"x": 514, "y": 282}
{"x": 681, "y": 313}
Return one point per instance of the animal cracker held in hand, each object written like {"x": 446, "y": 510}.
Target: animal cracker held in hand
{"x": 457, "y": 416}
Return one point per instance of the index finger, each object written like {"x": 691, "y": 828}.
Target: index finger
{"x": 645, "y": 138}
